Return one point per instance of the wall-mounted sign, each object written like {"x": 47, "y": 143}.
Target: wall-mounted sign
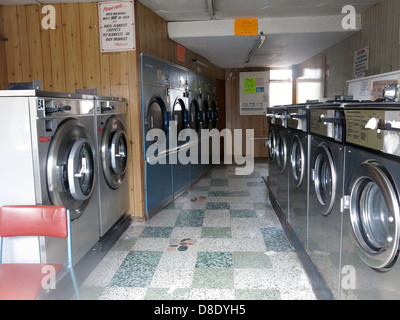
{"x": 180, "y": 52}
{"x": 254, "y": 92}
{"x": 361, "y": 62}
{"x": 246, "y": 27}
{"x": 117, "y": 26}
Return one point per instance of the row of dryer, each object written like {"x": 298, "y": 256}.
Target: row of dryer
{"x": 63, "y": 149}
{"x": 334, "y": 176}
{"x": 174, "y": 99}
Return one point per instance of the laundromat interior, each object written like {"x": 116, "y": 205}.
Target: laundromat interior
{"x": 201, "y": 150}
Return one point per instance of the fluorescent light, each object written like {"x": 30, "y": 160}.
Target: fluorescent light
{"x": 210, "y": 9}
{"x": 258, "y": 45}
{"x": 200, "y": 63}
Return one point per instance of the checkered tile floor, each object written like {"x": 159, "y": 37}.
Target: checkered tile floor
{"x": 220, "y": 240}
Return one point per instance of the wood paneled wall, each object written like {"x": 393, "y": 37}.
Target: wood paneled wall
{"x": 69, "y": 58}
{"x": 380, "y": 32}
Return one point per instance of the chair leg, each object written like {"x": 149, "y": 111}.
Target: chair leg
{"x": 75, "y": 283}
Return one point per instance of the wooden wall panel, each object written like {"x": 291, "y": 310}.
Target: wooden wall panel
{"x": 3, "y": 61}
{"x": 381, "y": 33}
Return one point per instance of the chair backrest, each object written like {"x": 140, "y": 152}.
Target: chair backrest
{"x": 36, "y": 220}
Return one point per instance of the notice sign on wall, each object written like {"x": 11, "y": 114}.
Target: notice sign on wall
{"x": 117, "y": 26}
{"x": 254, "y": 92}
{"x": 361, "y": 62}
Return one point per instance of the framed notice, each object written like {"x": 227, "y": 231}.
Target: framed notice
{"x": 254, "y": 92}
{"x": 117, "y": 26}
{"x": 361, "y": 62}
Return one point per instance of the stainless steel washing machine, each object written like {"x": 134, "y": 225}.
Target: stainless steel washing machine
{"x": 156, "y": 116}
{"x": 326, "y": 190}
{"x": 112, "y": 157}
{"x": 371, "y": 205}
{"x": 49, "y": 158}
{"x": 279, "y": 162}
{"x": 298, "y": 131}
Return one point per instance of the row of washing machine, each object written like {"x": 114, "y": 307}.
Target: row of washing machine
{"x": 68, "y": 150}
{"x": 174, "y": 99}
{"x": 334, "y": 176}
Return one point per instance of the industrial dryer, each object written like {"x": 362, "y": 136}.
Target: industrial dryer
{"x": 48, "y": 141}
{"x": 112, "y": 156}
{"x": 371, "y": 207}
{"x": 326, "y": 187}
{"x": 155, "y": 122}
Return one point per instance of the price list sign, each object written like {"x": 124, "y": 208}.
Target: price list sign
{"x": 117, "y": 26}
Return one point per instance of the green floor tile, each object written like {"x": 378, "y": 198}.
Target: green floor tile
{"x": 218, "y": 206}
{"x": 214, "y": 260}
{"x": 213, "y": 278}
{"x": 216, "y": 232}
{"x": 275, "y": 239}
{"x": 190, "y": 218}
{"x": 156, "y": 232}
{"x": 243, "y": 213}
{"x": 251, "y": 260}
{"x": 137, "y": 269}
{"x": 219, "y": 182}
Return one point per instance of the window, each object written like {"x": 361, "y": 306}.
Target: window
{"x": 280, "y": 87}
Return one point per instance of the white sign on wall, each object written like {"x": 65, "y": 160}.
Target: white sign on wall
{"x": 117, "y": 26}
{"x": 254, "y": 92}
{"x": 361, "y": 62}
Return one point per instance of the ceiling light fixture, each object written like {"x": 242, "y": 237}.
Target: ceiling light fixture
{"x": 258, "y": 45}
{"x": 210, "y": 9}
{"x": 200, "y": 63}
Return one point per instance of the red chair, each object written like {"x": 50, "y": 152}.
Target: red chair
{"x": 27, "y": 281}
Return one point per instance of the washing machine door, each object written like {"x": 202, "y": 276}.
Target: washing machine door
{"x": 157, "y": 114}
{"x": 374, "y": 215}
{"x": 71, "y": 167}
{"x": 214, "y": 114}
{"x": 281, "y": 152}
{"x": 180, "y": 114}
{"x": 298, "y": 163}
{"x": 325, "y": 179}
{"x": 114, "y": 152}
{"x": 195, "y": 116}
{"x": 271, "y": 144}
{"x": 207, "y": 115}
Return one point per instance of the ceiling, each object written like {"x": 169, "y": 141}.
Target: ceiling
{"x": 295, "y": 30}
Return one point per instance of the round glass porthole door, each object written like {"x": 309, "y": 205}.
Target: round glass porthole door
{"x": 195, "y": 116}
{"x": 281, "y": 152}
{"x": 114, "y": 152}
{"x": 324, "y": 179}
{"x": 157, "y": 115}
{"x": 214, "y": 114}
{"x": 271, "y": 144}
{"x": 207, "y": 115}
{"x": 297, "y": 159}
{"x": 374, "y": 215}
{"x": 71, "y": 167}
{"x": 180, "y": 114}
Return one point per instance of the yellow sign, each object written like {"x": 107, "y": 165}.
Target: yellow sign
{"x": 250, "y": 85}
{"x": 246, "y": 27}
